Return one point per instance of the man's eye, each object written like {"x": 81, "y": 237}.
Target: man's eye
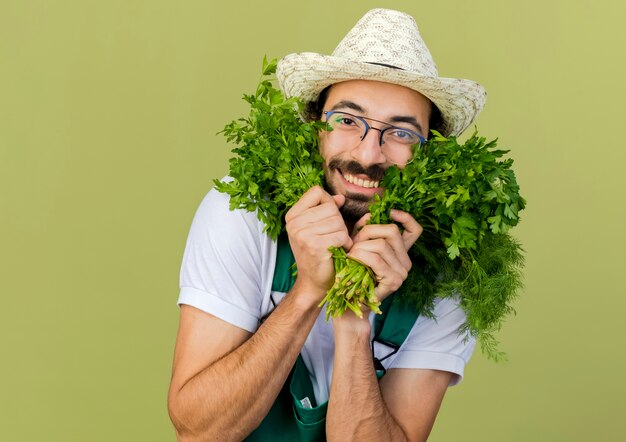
{"x": 402, "y": 134}
{"x": 346, "y": 121}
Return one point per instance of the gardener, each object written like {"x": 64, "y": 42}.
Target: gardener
{"x": 254, "y": 356}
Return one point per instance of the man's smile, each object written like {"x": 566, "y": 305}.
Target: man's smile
{"x": 356, "y": 187}
{"x": 353, "y": 179}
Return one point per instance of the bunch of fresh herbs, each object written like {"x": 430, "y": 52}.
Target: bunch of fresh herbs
{"x": 277, "y": 156}
{"x": 465, "y": 197}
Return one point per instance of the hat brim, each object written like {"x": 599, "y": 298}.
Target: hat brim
{"x": 306, "y": 74}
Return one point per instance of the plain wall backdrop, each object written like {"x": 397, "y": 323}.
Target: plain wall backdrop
{"x": 108, "y": 119}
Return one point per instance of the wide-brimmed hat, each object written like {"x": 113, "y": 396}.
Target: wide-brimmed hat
{"x": 386, "y": 46}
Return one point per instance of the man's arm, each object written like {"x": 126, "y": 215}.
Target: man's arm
{"x": 224, "y": 379}
{"x": 403, "y": 407}
{"x": 413, "y": 397}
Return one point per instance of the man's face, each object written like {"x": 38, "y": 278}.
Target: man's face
{"x": 354, "y": 169}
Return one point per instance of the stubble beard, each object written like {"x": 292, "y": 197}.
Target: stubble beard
{"x": 355, "y": 207}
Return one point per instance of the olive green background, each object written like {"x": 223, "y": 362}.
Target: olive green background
{"x": 108, "y": 115}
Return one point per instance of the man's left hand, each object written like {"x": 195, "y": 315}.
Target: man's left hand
{"x": 384, "y": 249}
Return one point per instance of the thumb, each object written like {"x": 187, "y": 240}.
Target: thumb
{"x": 339, "y": 200}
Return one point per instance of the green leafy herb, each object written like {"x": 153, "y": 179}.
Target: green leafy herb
{"x": 465, "y": 197}
{"x": 278, "y": 159}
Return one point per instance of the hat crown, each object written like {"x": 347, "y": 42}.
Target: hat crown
{"x": 390, "y": 38}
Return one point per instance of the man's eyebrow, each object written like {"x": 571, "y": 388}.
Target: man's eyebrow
{"x": 409, "y": 120}
{"x": 349, "y": 104}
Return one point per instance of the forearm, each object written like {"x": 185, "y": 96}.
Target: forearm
{"x": 229, "y": 398}
{"x": 356, "y": 409}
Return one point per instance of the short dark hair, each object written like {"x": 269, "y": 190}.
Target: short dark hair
{"x": 313, "y": 111}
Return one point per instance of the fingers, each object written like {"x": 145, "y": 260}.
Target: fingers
{"x": 339, "y": 200}
{"x": 313, "y": 197}
{"x": 386, "y": 240}
{"x": 361, "y": 223}
{"x": 317, "y": 214}
{"x": 412, "y": 229}
{"x": 391, "y": 234}
{"x": 389, "y": 270}
{"x": 313, "y": 225}
{"x": 383, "y": 247}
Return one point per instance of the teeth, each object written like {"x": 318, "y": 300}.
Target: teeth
{"x": 360, "y": 182}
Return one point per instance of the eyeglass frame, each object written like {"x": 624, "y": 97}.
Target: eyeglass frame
{"x": 368, "y": 127}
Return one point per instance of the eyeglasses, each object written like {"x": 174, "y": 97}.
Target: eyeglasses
{"x": 352, "y": 127}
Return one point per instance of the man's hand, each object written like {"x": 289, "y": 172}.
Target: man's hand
{"x": 384, "y": 249}
{"x": 313, "y": 225}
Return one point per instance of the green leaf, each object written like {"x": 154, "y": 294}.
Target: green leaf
{"x": 269, "y": 68}
{"x": 494, "y": 222}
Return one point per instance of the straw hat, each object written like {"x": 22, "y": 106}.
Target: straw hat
{"x": 386, "y": 46}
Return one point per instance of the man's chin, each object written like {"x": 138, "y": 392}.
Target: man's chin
{"x": 354, "y": 208}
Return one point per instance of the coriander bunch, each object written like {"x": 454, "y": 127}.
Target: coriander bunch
{"x": 277, "y": 158}
{"x": 466, "y": 198}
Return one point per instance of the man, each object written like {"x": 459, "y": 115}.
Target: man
{"x": 243, "y": 347}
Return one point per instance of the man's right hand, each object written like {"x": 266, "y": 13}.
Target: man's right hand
{"x": 314, "y": 224}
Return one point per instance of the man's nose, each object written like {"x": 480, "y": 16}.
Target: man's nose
{"x": 369, "y": 151}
